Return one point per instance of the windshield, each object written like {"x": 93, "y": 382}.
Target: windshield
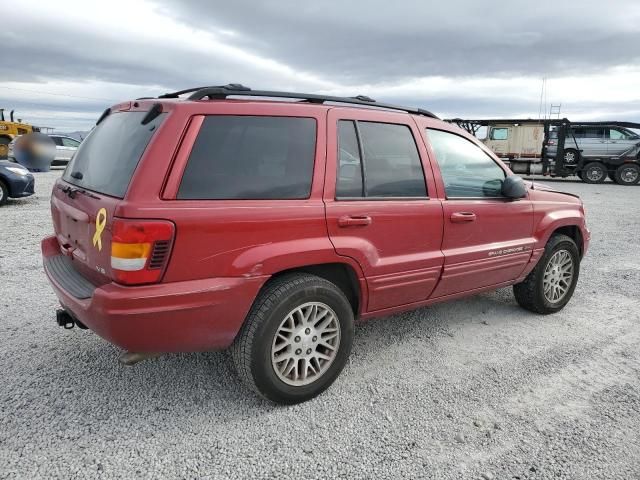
{"x": 106, "y": 159}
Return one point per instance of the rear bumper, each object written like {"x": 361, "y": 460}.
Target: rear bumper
{"x": 196, "y": 315}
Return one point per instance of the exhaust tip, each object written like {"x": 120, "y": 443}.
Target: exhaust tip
{"x": 63, "y": 319}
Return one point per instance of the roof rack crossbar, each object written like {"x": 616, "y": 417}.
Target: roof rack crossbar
{"x": 234, "y": 89}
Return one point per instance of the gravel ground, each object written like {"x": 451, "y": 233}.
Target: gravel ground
{"x": 473, "y": 389}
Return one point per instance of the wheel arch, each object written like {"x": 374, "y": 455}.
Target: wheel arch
{"x": 573, "y": 232}
{"x": 341, "y": 274}
{"x": 568, "y": 220}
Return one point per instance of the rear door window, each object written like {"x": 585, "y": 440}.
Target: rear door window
{"x": 251, "y": 157}
{"x": 386, "y": 157}
{"x": 107, "y": 158}
{"x": 597, "y": 133}
{"x": 349, "y": 182}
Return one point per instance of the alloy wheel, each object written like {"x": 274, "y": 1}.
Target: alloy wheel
{"x": 570, "y": 157}
{"x": 558, "y": 275}
{"x": 305, "y": 344}
{"x": 629, "y": 175}
{"x": 595, "y": 174}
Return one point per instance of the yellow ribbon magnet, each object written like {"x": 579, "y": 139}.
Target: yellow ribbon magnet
{"x": 101, "y": 222}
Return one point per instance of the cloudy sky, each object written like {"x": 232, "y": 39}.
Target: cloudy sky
{"x": 64, "y": 62}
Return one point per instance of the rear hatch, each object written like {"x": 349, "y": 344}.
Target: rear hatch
{"x": 84, "y": 200}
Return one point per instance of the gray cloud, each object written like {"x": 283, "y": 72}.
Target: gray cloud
{"x": 384, "y": 41}
{"x": 345, "y": 45}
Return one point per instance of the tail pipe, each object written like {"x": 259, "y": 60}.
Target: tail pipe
{"x": 65, "y": 320}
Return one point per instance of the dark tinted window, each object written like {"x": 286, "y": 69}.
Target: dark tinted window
{"x": 588, "y": 132}
{"x": 109, "y": 155}
{"x": 245, "y": 157}
{"x": 466, "y": 169}
{"x": 349, "y": 182}
{"x": 392, "y": 165}
{"x": 57, "y": 140}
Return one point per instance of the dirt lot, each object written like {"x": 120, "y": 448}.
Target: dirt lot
{"x": 473, "y": 389}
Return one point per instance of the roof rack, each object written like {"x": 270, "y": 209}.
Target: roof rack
{"x": 551, "y": 121}
{"x": 236, "y": 89}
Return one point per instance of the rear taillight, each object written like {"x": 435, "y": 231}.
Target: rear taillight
{"x": 140, "y": 250}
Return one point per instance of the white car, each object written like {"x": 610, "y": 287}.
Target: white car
{"x": 65, "y": 149}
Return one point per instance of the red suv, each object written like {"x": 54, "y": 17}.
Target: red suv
{"x": 266, "y": 226}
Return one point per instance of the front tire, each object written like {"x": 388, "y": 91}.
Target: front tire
{"x": 296, "y": 338}
{"x": 550, "y": 285}
{"x": 4, "y": 193}
{"x": 627, "y": 174}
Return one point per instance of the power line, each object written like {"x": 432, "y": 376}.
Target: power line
{"x": 56, "y": 94}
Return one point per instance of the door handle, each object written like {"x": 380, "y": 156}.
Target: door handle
{"x": 462, "y": 217}
{"x": 354, "y": 221}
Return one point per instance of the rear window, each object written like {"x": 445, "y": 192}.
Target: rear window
{"x": 249, "y": 157}
{"x": 106, "y": 159}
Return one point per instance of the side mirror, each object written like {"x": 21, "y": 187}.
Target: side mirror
{"x": 514, "y": 187}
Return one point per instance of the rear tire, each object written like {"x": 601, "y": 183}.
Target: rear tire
{"x": 627, "y": 174}
{"x": 594, "y": 172}
{"x": 296, "y": 338}
{"x": 4, "y": 193}
{"x": 548, "y": 287}
{"x": 570, "y": 156}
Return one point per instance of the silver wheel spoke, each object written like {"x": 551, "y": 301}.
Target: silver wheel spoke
{"x": 557, "y": 276}
{"x": 305, "y": 344}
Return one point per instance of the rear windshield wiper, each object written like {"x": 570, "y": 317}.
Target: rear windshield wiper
{"x": 72, "y": 191}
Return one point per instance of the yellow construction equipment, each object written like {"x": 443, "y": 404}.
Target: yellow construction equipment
{"x": 9, "y": 129}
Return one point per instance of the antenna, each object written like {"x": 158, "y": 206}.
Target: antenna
{"x": 542, "y": 108}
